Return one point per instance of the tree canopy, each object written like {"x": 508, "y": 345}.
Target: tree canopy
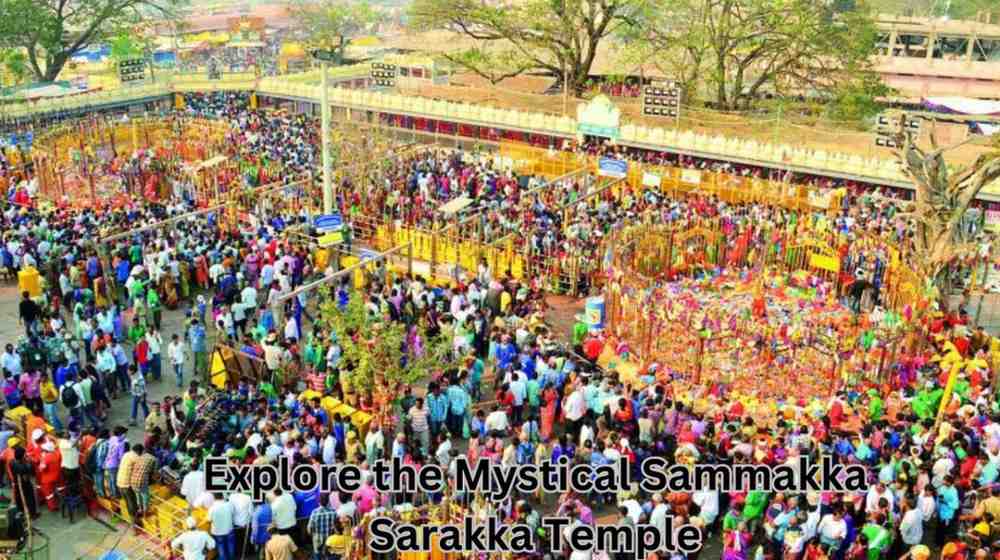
{"x": 553, "y": 37}
{"x": 50, "y": 32}
{"x": 738, "y": 50}
{"x": 331, "y": 24}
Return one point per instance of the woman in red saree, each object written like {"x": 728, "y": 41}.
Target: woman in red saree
{"x": 548, "y": 411}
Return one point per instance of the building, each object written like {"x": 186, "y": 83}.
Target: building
{"x": 923, "y": 57}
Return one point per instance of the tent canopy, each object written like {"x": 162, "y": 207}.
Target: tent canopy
{"x": 455, "y": 206}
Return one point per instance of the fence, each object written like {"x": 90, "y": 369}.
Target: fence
{"x": 646, "y": 255}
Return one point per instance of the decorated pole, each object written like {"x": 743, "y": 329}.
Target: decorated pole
{"x": 946, "y": 396}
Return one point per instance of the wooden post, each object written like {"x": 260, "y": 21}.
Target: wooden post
{"x": 701, "y": 357}
{"x": 409, "y": 258}
{"x": 670, "y": 253}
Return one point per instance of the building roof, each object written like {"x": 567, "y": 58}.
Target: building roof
{"x": 274, "y": 15}
{"x": 938, "y": 25}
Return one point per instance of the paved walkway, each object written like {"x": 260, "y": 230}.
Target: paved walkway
{"x": 87, "y": 538}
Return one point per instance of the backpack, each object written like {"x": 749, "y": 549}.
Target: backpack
{"x": 69, "y": 397}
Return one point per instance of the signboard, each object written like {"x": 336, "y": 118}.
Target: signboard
{"x": 651, "y": 180}
{"x": 598, "y": 117}
{"x": 609, "y": 167}
{"x": 691, "y": 176}
{"x": 819, "y": 199}
{"x": 992, "y": 217}
{"x": 329, "y": 222}
{"x": 324, "y": 56}
{"x": 824, "y": 262}
{"x": 132, "y": 70}
{"x": 383, "y": 75}
{"x": 662, "y": 99}
{"x": 597, "y": 130}
{"x": 367, "y": 254}
{"x": 332, "y": 238}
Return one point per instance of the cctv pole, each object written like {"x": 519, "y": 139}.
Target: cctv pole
{"x": 327, "y": 160}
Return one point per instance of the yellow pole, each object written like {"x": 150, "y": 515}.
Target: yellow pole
{"x": 948, "y": 389}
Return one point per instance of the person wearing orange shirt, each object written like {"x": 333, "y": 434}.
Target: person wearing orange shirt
{"x": 49, "y": 473}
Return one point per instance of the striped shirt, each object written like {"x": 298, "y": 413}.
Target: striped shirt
{"x": 418, "y": 419}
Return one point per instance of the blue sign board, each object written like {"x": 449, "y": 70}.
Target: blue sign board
{"x": 610, "y": 167}
{"x": 328, "y": 222}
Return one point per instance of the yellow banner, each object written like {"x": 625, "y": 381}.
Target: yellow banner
{"x": 332, "y": 238}
{"x": 824, "y": 262}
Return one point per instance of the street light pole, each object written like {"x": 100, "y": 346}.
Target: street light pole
{"x": 327, "y": 160}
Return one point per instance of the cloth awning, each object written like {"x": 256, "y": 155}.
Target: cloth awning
{"x": 963, "y": 105}
{"x": 455, "y": 206}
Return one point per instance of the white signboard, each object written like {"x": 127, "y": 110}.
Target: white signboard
{"x": 651, "y": 180}
{"x": 691, "y": 176}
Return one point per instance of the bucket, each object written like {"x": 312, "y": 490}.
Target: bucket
{"x": 594, "y": 312}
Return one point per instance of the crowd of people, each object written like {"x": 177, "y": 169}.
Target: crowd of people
{"x": 507, "y": 389}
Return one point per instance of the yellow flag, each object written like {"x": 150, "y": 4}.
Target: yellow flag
{"x": 948, "y": 388}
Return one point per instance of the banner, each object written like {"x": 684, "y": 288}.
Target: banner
{"x": 329, "y": 222}
{"x": 824, "y": 262}
{"x": 332, "y": 238}
{"x": 691, "y": 176}
{"x": 651, "y": 180}
{"x": 609, "y": 167}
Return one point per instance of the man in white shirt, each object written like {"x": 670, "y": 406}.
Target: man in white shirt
{"x": 242, "y": 513}
{"x": 574, "y": 554}
{"x": 911, "y": 528}
{"x": 574, "y": 408}
{"x": 832, "y": 529}
{"x": 69, "y": 448}
{"x": 221, "y": 515}
{"x": 708, "y": 504}
{"x": 175, "y": 350}
{"x": 249, "y": 296}
{"x": 876, "y": 493}
{"x": 496, "y": 421}
{"x": 193, "y": 485}
{"x": 283, "y": 512}
{"x": 193, "y": 543}
{"x": 658, "y": 517}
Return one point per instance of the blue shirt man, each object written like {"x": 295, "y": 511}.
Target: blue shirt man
{"x": 259, "y": 525}
{"x": 458, "y": 399}
{"x": 437, "y": 405}
{"x": 196, "y": 337}
{"x": 122, "y": 271}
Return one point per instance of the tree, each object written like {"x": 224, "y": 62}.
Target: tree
{"x": 376, "y": 359}
{"x": 741, "y": 49}
{"x": 558, "y": 38}
{"x": 331, "y": 24}
{"x": 53, "y": 31}
{"x": 16, "y": 65}
{"x": 942, "y": 198}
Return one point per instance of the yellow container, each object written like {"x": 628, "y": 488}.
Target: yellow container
{"x": 359, "y": 273}
{"x": 18, "y": 414}
{"x": 345, "y": 411}
{"x": 309, "y": 394}
{"x": 361, "y": 420}
{"x": 29, "y": 281}
{"x": 161, "y": 491}
{"x": 321, "y": 258}
{"x": 329, "y": 404}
